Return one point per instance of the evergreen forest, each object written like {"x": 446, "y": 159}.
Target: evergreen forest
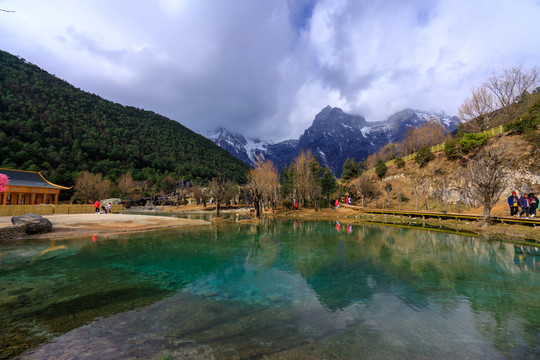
{"x": 47, "y": 124}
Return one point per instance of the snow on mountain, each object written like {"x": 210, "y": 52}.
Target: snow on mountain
{"x": 247, "y": 150}
{"x": 255, "y": 148}
{"x": 333, "y": 136}
{"x": 400, "y": 121}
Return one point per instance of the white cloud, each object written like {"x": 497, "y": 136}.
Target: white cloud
{"x": 265, "y": 68}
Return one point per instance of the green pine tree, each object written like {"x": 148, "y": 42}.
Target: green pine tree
{"x": 328, "y": 183}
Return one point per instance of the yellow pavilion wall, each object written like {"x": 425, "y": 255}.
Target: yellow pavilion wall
{"x": 12, "y": 210}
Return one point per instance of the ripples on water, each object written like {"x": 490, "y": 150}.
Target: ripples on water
{"x": 279, "y": 290}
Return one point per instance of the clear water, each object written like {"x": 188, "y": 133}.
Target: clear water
{"x": 193, "y": 215}
{"x": 279, "y": 290}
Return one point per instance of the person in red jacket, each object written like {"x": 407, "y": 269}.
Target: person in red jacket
{"x": 337, "y": 203}
{"x": 96, "y": 205}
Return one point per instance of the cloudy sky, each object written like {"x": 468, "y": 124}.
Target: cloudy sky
{"x": 265, "y": 68}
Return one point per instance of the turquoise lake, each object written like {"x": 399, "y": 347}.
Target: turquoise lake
{"x": 277, "y": 290}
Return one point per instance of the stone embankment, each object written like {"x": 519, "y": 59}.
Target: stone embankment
{"x": 12, "y": 232}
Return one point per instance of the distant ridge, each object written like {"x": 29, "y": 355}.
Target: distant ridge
{"x": 333, "y": 137}
{"x": 48, "y": 124}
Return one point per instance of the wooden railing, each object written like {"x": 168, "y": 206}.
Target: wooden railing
{"x": 440, "y": 147}
{"x": 12, "y": 210}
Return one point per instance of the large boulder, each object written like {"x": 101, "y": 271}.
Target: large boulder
{"x": 111, "y": 201}
{"x": 33, "y": 223}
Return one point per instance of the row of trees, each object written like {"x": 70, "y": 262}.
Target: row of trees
{"x": 304, "y": 181}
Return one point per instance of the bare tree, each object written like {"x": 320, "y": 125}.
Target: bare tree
{"x": 365, "y": 188}
{"x": 510, "y": 87}
{"x": 199, "y": 193}
{"x": 478, "y": 109}
{"x": 126, "y": 184}
{"x": 430, "y": 133}
{"x": 270, "y": 183}
{"x": 465, "y": 191}
{"x": 415, "y": 183}
{"x": 304, "y": 177}
{"x": 388, "y": 190}
{"x": 425, "y": 190}
{"x": 92, "y": 187}
{"x": 219, "y": 189}
{"x": 386, "y": 153}
{"x": 399, "y": 195}
{"x": 487, "y": 175}
{"x": 263, "y": 184}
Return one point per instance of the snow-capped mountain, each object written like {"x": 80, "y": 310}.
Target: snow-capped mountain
{"x": 333, "y": 137}
{"x": 244, "y": 149}
{"x": 402, "y": 120}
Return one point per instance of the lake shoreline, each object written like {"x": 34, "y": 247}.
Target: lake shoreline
{"x": 518, "y": 234}
{"x": 80, "y": 225}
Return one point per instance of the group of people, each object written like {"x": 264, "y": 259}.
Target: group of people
{"x": 105, "y": 209}
{"x": 347, "y": 201}
{"x": 527, "y": 202}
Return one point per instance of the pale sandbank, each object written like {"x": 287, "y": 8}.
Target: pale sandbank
{"x": 75, "y": 225}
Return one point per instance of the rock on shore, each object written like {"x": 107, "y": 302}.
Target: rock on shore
{"x": 33, "y": 223}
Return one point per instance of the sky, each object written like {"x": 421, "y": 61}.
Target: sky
{"x": 265, "y": 68}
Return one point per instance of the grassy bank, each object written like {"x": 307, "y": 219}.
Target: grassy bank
{"x": 510, "y": 233}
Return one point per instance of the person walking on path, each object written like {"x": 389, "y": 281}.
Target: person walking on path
{"x": 525, "y": 205}
{"x": 96, "y": 205}
{"x": 534, "y": 205}
{"x": 513, "y": 201}
{"x": 337, "y": 203}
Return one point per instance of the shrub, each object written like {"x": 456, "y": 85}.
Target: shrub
{"x": 472, "y": 141}
{"x": 380, "y": 169}
{"x": 324, "y": 203}
{"x": 287, "y": 204}
{"x": 400, "y": 163}
{"x": 519, "y": 126}
{"x": 403, "y": 198}
{"x": 452, "y": 149}
{"x": 527, "y": 125}
{"x": 423, "y": 156}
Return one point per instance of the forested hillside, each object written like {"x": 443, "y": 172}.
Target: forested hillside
{"x": 48, "y": 124}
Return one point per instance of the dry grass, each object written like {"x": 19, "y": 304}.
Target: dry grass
{"x": 519, "y": 154}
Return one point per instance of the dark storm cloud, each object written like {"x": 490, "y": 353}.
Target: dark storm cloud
{"x": 265, "y": 68}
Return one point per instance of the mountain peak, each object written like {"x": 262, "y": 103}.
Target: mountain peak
{"x": 333, "y": 137}
{"x": 411, "y": 117}
{"x": 330, "y": 117}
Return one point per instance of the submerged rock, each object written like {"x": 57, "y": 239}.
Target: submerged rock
{"x": 33, "y": 223}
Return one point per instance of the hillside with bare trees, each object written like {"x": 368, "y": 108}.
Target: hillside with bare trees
{"x": 474, "y": 172}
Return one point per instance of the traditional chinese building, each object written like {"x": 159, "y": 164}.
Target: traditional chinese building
{"x": 29, "y": 188}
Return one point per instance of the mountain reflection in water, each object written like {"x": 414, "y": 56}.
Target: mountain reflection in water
{"x": 275, "y": 290}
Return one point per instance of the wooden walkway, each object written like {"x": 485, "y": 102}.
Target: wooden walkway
{"x": 442, "y": 216}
